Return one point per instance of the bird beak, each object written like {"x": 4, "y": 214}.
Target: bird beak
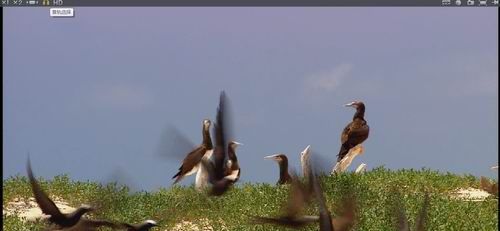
{"x": 237, "y": 143}
{"x": 307, "y": 149}
{"x": 270, "y": 157}
{"x": 349, "y": 104}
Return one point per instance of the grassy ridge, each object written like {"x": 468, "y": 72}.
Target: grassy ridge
{"x": 232, "y": 211}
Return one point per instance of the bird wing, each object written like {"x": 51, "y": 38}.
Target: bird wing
{"x": 219, "y": 186}
{"x": 290, "y": 222}
{"x": 402, "y": 220}
{"x": 174, "y": 144}
{"x": 86, "y": 224}
{"x": 398, "y": 209}
{"x": 191, "y": 161}
{"x": 345, "y": 222}
{"x": 355, "y": 133}
{"x": 220, "y": 137}
{"x": 345, "y": 133}
{"x": 325, "y": 219}
{"x": 296, "y": 197}
{"x": 422, "y": 215}
{"x": 44, "y": 202}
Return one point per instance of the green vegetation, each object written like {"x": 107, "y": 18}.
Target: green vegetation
{"x": 232, "y": 211}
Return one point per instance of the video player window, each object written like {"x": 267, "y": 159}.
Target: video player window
{"x": 250, "y": 115}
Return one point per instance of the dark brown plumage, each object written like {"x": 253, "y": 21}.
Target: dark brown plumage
{"x": 217, "y": 169}
{"x": 220, "y": 151}
{"x": 402, "y": 223}
{"x": 191, "y": 162}
{"x": 49, "y": 207}
{"x": 299, "y": 196}
{"x": 355, "y": 132}
{"x": 93, "y": 225}
{"x": 326, "y": 222}
{"x": 232, "y": 166}
{"x": 282, "y": 161}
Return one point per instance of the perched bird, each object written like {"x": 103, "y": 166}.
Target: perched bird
{"x": 232, "y": 166}
{"x": 221, "y": 174}
{"x": 326, "y": 222}
{"x": 355, "y": 132}
{"x": 145, "y": 226}
{"x": 191, "y": 162}
{"x": 299, "y": 196}
{"x": 282, "y": 161}
{"x": 402, "y": 221}
{"x": 49, "y": 207}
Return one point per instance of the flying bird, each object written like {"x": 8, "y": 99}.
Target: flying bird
{"x": 191, "y": 162}
{"x": 326, "y": 222}
{"x": 93, "y": 225}
{"x": 223, "y": 171}
{"x": 282, "y": 161}
{"x": 355, "y": 132}
{"x": 49, "y": 207}
{"x": 402, "y": 223}
{"x": 299, "y": 196}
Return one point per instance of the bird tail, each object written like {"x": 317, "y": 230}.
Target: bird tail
{"x": 343, "y": 152}
{"x": 177, "y": 177}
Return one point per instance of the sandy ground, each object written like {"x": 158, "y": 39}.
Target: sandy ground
{"x": 28, "y": 209}
{"x": 204, "y": 225}
{"x": 470, "y": 194}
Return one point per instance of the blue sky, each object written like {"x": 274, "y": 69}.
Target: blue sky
{"x": 90, "y": 96}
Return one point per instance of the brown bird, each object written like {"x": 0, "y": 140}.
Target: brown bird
{"x": 232, "y": 166}
{"x": 191, "y": 162}
{"x": 282, "y": 161}
{"x": 402, "y": 221}
{"x": 221, "y": 173}
{"x": 326, "y": 222}
{"x": 299, "y": 196}
{"x": 93, "y": 225}
{"x": 49, "y": 207}
{"x": 355, "y": 132}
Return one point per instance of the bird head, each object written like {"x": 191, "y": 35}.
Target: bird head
{"x": 150, "y": 223}
{"x": 355, "y": 104}
{"x": 305, "y": 153}
{"x": 277, "y": 157}
{"x": 206, "y": 124}
{"x": 234, "y": 144}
